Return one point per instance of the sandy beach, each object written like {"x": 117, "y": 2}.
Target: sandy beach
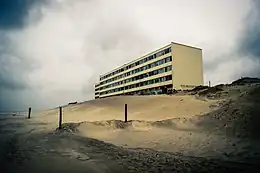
{"x": 200, "y": 131}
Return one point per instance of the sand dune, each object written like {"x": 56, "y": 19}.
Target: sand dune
{"x": 186, "y": 132}
{"x": 184, "y": 123}
{"x": 148, "y": 108}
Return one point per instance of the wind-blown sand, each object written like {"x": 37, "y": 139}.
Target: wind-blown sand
{"x": 200, "y": 131}
{"x": 148, "y": 108}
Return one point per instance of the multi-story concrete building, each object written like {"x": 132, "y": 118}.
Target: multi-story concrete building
{"x": 174, "y": 66}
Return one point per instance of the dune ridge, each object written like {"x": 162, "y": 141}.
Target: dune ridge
{"x": 226, "y": 131}
{"x": 204, "y": 130}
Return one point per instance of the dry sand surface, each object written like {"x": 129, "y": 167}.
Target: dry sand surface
{"x": 147, "y": 108}
{"x": 209, "y": 130}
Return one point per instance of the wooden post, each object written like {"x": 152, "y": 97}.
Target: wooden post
{"x": 209, "y": 83}
{"x": 125, "y": 113}
{"x": 29, "y": 113}
{"x": 60, "y": 119}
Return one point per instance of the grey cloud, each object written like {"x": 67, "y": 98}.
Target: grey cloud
{"x": 14, "y": 12}
{"x": 13, "y": 67}
{"x": 249, "y": 45}
{"x": 14, "y": 83}
{"x": 9, "y": 82}
{"x": 246, "y": 50}
{"x": 251, "y": 38}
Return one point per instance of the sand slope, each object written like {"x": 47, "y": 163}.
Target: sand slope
{"x": 181, "y": 133}
{"x": 209, "y": 122}
{"x": 29, "y": 150}
{"x": 149, "y": 108}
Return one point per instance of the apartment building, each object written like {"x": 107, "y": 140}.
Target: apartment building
{"x": 175, "y": 66}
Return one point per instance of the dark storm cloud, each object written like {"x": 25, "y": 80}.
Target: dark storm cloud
{"x": 12, "y": 16}
{"x": 252, "y": 40}
{"x": 7, "y": 81}
{"x": 13, "y": 81}
{"x": 250, "y": 43}
{"x": 246, "y": 51}
{"x": 10, "y": 75}
{"x": 13, "y": 66}
{"x": 14, "y": 12}
{"x": 10, "y": 80}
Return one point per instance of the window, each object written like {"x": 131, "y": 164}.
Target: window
{"x": 168, "y": 59}
{"x": 162, "y": 70}
{"x": 163, "y": 79}
{"x": 168, "y": 68}
{"x": 169, "y": 77}
{"x": 160, "y": 53}
{"x": 168, "y": 50}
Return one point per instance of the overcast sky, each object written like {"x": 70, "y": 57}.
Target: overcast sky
{"x": 53, "y": 51}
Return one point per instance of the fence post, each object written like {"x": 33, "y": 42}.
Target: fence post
{"x": 125, "y": 113}
{"x": 29, "y": 113}
{"x": 60, "y": 118}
